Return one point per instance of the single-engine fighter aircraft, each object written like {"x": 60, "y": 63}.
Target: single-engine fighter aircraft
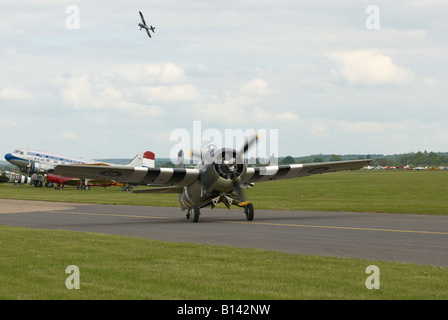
{"x": 144, "y": 26}
{"x": 219, "y": 177}
{"x": 61, "y": 181}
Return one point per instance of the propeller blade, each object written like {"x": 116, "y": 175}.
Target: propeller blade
{"x": 180, "y": 159}
{"x": 238, "y": 189}
{"x": 248, "y": 144}
{"x": 195, "y": 154}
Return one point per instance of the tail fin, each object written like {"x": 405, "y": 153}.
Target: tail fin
{"x": 143, "y": 159}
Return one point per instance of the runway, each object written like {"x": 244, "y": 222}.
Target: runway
{"x": 409, "y": 238}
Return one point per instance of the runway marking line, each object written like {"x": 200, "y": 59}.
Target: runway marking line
{"x": 259, "y": 223}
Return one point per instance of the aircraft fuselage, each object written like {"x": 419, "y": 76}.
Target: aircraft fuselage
{"x": 38, "y": 161}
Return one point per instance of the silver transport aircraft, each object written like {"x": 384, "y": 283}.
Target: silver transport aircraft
{"x": 219, "y": 177}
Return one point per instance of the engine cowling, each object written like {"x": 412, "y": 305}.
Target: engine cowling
{"x": 224, "y": 172}
{"x": 36, "y": 167}
{"x": 228, "y": 164}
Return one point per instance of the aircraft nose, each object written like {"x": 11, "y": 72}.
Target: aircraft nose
{"x": 8, "y": 156}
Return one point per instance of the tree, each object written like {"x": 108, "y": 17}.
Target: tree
{"x": 288, "y": 160}
{"x": 335, "y": 157}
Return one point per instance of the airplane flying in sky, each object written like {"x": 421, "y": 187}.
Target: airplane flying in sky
{"x": 219, "y": 177}
{"x": 144, "y": 26}
{"x": 40, "y": 162}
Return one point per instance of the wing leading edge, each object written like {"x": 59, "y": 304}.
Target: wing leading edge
{"x": 268, "y": 173}
{"x": 141, "y": 16}
{"x": 183, "y": 177}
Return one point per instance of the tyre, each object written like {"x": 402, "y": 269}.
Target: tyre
{"x": 196, "y": 213}
{"x": 249, "y": 211}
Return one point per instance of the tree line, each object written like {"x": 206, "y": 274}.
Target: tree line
{"x": 419, "y": 158}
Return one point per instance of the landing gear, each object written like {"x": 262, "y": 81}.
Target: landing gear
{"x": 126, "y": 187}
{"x": 249, "y": 211}
{"x": 196, "y": 213}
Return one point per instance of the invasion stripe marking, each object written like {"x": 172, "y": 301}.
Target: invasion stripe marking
{"x": 269, "y": 172}
{"x": 178, "y": 175}
{"x": 139, "y": 174}
{"x": 165, "y": 175}
{"x": 152, "y": 175}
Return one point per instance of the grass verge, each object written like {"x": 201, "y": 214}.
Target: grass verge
{"x": 399, "y": 191}
{"x": 33, "y": 264}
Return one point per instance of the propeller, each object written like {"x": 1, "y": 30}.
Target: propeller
{"x": 248, "y": 144}
{"x": 229, "y": 166}
{"x": 227, "y": 162}
{"x": 207, "y": 155}
{"x": 180, "y": 159}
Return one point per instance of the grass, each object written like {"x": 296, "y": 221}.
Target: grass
{"x": 400, "y": 191}
{"x": 33, "y": 264}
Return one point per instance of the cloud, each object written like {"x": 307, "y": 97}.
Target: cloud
{"x": 370, "y": 68}
{"x": 69, "y": 135}
{"x": 261, "y": 115}
{"x": 7, "y": 122}
{"x": 128, "y": 90}
{"x": 146, "y": 74}
{"x": 11, "y": 93}
{"x": 319, "y": 130}
{"x": 375, "y": 127}
{"x": 255, "y": 87}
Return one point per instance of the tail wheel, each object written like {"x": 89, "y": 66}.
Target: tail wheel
{"x": 196, "y": 213}
{"x": 249, "y": 211}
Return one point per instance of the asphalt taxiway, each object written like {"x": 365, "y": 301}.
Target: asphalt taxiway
{"x": 408, "y": 238}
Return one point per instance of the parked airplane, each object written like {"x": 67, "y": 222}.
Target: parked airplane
{"x": 16, "y": 178}
{"x": 144, "y": 26}
{"x": 61, "y": 181}
{"x": 219, "y": 177}
{"x": 39, "y": 162}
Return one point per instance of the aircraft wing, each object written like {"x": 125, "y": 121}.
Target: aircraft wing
{"x": 149, "y": 34}
{"x": 141, "y": 16}
{"x": 268, "y": 173}
{"x": 160, "y": 190}
{"x": 180, "y": 177}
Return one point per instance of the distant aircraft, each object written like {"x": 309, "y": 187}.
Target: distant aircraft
{"x": 39, "y": 162}
{"x": 219, "y": 177}
{"x": 421, "y": 168}
{"x": 61, "y": 181}
{"x": 16, "y": 178}
{"x": 144, "y": 26}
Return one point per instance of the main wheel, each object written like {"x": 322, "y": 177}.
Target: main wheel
{"x": 196, "y": 213}
{"x": 249, "y": 211}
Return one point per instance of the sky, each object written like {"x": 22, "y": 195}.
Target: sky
{"x": 333, "y": 77}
